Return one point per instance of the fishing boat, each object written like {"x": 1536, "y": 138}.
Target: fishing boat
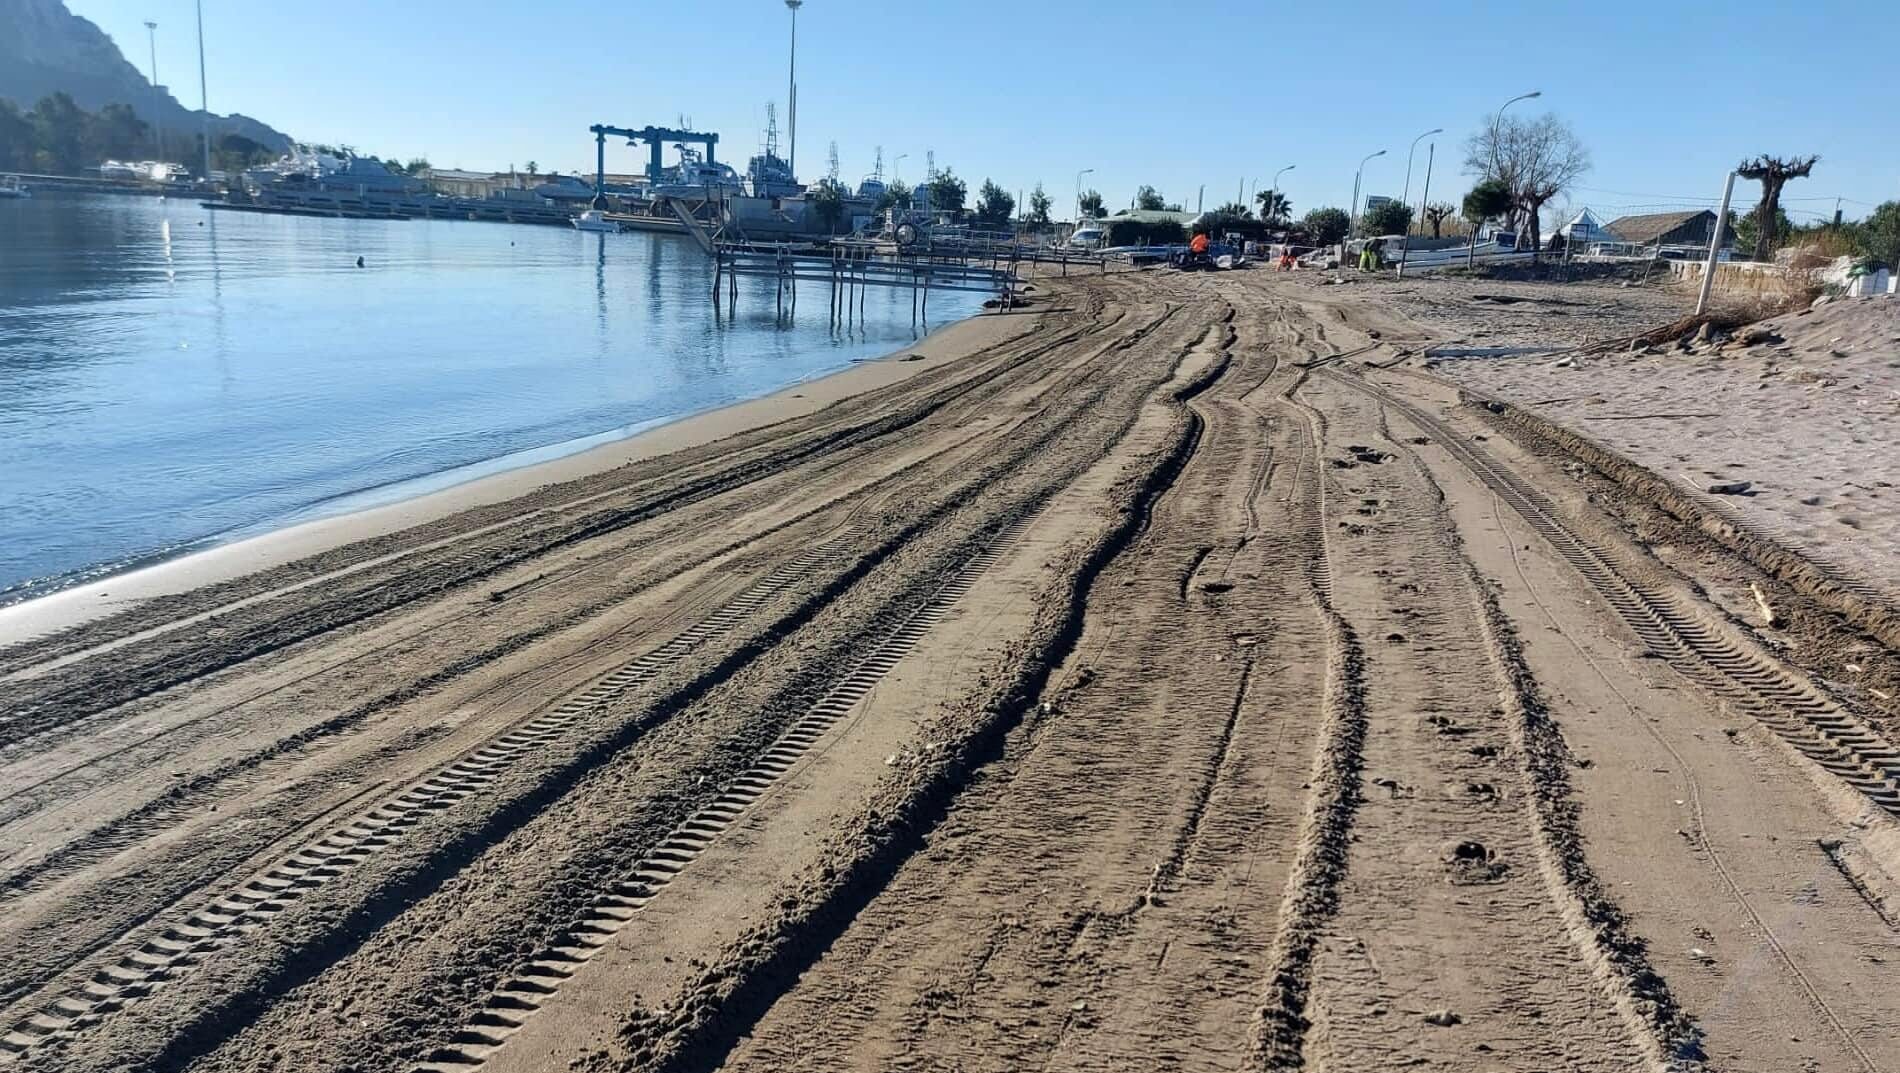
{"x": 594, "y": 220}
{"x": 12, "y": 189}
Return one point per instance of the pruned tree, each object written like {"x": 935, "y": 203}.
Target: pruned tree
{"x": 1274, "y": 205}
{"x": 1437, "y": 213}
{"x": 1039, "y": 206}
{"x": 1773, "y": 173}
{"x": 1148, "y": 199}
{"x": 1535, "y": 159}
{"x": 1091, "y": 205}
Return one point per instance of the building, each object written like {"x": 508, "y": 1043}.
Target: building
{"x": 1584, "y": 228}
{"x": 1689, "y": 228}
{"x": 453, "y": 183}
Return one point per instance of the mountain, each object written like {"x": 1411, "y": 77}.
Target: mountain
{"x": 45, "y": 48}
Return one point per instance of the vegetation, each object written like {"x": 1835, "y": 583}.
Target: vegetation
{"x": 826, "y": 200}
{"x": 1876, "y": 238}
{"x": 1436, "y": 214}
{"x": 994, "y": 206}
{"x": 1388, "y": 218}
{"x": 1324, "y": 227}
{"x": 1122, "y": 231}
{"x": 533, "y": 169}
{"x": 1148, "y": 199}
{"x": 947, "y": 193}
{"x": 1039, "y": 206}
{"x": 1773, "y": 173}
{"x": 1274, "y": 205}
{"x": 895, "y": 196}
{"x": 1092, "y": 205}
{"x": 57, "y": 137}
{"x": 1534, "y": 159}
{"x": 1230, "y": 219}
{"x": 1489, "y": 200}
{"x": 1235, "y": 209}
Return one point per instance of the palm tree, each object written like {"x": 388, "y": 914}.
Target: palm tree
{"x": 1273, "y": 205}
{"x": 533, "y": 168}
{"x": 1773, "y": 173}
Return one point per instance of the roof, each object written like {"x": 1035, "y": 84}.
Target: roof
{"x": 454, "y": 175}
{"x": 1157, "y": 216}
{"x": 1654, "y": 225}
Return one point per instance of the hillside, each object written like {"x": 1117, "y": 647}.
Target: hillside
{"x": 47, "y": 49}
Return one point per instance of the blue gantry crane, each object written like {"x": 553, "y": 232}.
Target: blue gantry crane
{"x": 654, "y": 137}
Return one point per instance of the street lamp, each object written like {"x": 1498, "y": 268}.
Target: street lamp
{"x": 1354, "y": 214}
{"x": 894, "y": 172}
{"x": 1274, "y": 202}
{"x": 1498, "y": 121}
{"x": 1406, "y": 199}
{"x": 791, "y": 90}
{"x": 1078, "y": 194}
{"x": 158, "y": 131}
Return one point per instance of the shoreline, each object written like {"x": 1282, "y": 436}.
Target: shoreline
{"x": 95, "y": 597}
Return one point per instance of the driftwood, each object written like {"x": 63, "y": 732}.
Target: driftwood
{"x": 1768, "y": 616}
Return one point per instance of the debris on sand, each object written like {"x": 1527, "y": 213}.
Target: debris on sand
{"x": 1730, "y": 488}
{"x": 1443, "y": 1018}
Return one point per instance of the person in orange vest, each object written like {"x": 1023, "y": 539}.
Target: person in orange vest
{"x": 1198, "y": 244}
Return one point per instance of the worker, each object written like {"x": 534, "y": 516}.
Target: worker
{"x": 1198, "y": 244}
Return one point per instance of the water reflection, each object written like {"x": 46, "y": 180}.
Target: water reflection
{"x": 163, "y": 382}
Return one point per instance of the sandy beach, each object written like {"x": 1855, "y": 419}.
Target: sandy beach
{"x": 1185, "y": 673}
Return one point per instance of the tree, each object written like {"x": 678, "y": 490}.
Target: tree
{"x": 533, "y": 169}
{"x": 1324, "y": 227}
{"x": 1273, "y": 205}
{"x": 1092, "y": 205}
{"x": 416, "y": 166}
{"x": 1747, "y": 230}
{"x": 947, "y": 193}
{"x": 994, "y": 206}
{"x": 16, "y": 138}
{"x": 1773, "y": 173}
{"x": 1234, "y": 209}
{"x": 1488, "y": 200}
{"x": 1535, "y": 159}
{"x": 1880, "y": 234}
{"x": 1039, "y": 206}
{"x": 826, "y": 201}
{"x": 1148, "y": 199}
{"x": 1437, "y": 213}
{"x": 59, "y": 131}
{"x": 116, "y": 132}
{"x": 1388, "y": 218}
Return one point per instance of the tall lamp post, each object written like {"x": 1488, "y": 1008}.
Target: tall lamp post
{"x": 1078, "y": 195}
{"x": 1274, "y": 202}
{"x": 204, "y": 96}
{"x": 158, "y": 131}
{"x": 895, "y": 174}
{"x": 1353, "y": 216}
{"x": 791, "y": 90}
{"x": 1406, "y": 199}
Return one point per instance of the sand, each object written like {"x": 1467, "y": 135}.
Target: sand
{"x": 1173, "y": 679}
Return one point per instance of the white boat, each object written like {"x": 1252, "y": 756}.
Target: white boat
{"x": 693, "y": 179}
{"x": 11, "y": 188}
{"x": 593, "y": 220}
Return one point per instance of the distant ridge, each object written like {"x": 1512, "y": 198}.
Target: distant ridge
{"x": 45, "y": 49}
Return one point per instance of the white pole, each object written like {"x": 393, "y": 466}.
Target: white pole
{"x": 204, "y": 96}
{"x": 1715, "y": 243}
{"x": 158, "y": 128}
{"x": 791, "y": 92}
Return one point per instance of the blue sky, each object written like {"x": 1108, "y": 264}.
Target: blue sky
{"x": 1177, "y": 95}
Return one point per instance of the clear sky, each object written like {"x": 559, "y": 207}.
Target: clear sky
{"x": 1668, "y": 94}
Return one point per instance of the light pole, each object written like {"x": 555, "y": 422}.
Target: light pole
{"x": 895, "y": 163}
{"x": 1354, "y": 214}
{"x": 1406, "y": 199}
{"x": 1497, "y": 123}
{"x": 158, "y": 132}
{"x": 1274, "y": 202}
{"x": 204, "y": 96}
{"x": 1078, "y": 195}
{"x": 791, "y": 90}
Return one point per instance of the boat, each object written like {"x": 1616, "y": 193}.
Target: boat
{"x": 12, "y": 189}
{"x": 768, "y": 175}
{"x": 565, "y": 188}
{"x": 697, "y": 179}
{"x": 594, "y": 220}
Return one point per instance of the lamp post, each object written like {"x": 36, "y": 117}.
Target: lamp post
{"x": 158, "y": 131}
{"x": 1274, "y": 202}
{"x": 1353, "y": 216}
{"x": 791, "y": 91}
{"x": 1497, "y": 122}
{"x": 895, "y": 175}
{"x": 204, "y": 96}
{"x": 1078, "y": 194}
{"x": 1406, "y": 199}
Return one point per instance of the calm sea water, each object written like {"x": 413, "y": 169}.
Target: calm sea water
{"x": 172, "y": 376}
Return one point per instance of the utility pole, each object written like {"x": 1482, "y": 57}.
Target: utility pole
{"x": 1354, "y": 214}
{"x": 204, "y": 96}
{"x": 791, "y": 90}
{"x": 1078, "y": 195}
{"x": 1715, "y": 244}
{"x": 158, "y": 130}
{"x": 1406, "y": 198}
{"x": 1405, "y": 248}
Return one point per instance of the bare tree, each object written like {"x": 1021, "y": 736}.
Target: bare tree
{"x": 1537, "y": 159}
{"x": 1773, "y": 173}
{"x": 1437, "y": 213}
